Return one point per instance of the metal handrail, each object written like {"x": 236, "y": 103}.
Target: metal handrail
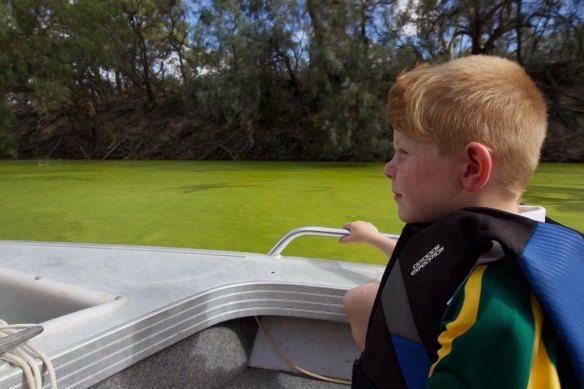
{"x": 313, "y": 231}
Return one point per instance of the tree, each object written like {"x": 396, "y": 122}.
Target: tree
{"x": 528, "y": 30}
{"x": 7, "y": 147}
{"x": 349, "y": 79}
{"x": 280, "y": 79}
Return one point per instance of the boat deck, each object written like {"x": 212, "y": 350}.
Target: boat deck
{"x": 155, "y": 297}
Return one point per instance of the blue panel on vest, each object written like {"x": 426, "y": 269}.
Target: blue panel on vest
{"x": 413, "y": 360}
{"x": 553, "y": 263}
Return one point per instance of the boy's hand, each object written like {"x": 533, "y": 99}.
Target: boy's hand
{"x": 365, "y": 232}
{"x": 361, "y": 232}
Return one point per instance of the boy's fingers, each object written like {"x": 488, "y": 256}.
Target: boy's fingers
{"x": 346, "y": 239}
{"x": 351, "y": 224}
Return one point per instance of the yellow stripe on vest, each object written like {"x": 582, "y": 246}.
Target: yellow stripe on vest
{"x": 543, "y": 372}
{"x": 466, "y": 317}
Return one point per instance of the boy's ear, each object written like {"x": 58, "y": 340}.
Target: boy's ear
{"x": 478, "y": 166}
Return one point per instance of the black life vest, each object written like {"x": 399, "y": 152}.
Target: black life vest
{"x": 431, "y": 261}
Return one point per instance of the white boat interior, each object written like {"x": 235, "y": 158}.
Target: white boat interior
{"x": 117, "y": 316}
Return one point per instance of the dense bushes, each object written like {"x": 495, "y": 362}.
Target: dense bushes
{"x": 248, "y": 79}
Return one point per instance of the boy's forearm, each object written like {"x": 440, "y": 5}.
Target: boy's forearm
{"x": 365, "y": 232}
{"x": 383, "y": 243}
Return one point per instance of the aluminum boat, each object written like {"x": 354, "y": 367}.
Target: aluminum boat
{"x": 119, "y": 316}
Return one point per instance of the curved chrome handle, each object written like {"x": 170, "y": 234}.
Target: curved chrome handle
{"x": 313, "y": 231}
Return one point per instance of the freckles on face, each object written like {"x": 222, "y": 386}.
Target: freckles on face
{"x": 423, "y": 181}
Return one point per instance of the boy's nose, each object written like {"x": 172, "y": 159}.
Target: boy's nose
{"x": 389, "y": 169}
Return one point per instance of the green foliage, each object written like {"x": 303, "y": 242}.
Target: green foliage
{"x": 280, "y": 79}
{"x": 7, "y": 146}
{"x": 529, "y": 31}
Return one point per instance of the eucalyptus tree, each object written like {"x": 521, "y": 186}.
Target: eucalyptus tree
{"x": 550, "y": 31}
{"x": 73, "y": 56}
{"x": 157, "y": 32}
{"x": 178, "y": 29}
{"x": 7, "y": 148}
{"x": 91, "y": 48}
{"x": 246, "y": 55}
{"x": 31, "y": 72}
{"x": 349, "y": 77}
{"x": 526, "y": 30}
{"x": 450, "y": 28}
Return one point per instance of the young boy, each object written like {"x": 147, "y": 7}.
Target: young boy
{"x": 467, "y": 133}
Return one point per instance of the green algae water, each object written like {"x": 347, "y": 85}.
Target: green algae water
{"x": 559, "y": 187}
{"x": 243, "y": 206}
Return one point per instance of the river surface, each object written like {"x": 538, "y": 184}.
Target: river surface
{"x": 243, "y": 206}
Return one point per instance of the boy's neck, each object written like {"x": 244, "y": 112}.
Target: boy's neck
{"x": 509, "y": 207}
{"x": 495, "y": 200}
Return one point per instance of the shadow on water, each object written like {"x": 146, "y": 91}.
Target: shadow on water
{"x": 64, "y": 178}
{"x": 204, "y": 187}
{"x": 245, "y": 166}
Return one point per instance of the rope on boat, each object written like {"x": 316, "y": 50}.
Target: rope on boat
{"x": 285, "y": 358}
{"x": 23, "y": 357}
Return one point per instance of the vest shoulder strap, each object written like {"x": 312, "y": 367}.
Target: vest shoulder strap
{"x": 553, "y": 263}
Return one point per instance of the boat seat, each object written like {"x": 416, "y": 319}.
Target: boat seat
{"x": 253, "y": 378}
{"x": 213, "y": 358}
{"x": 208, "y": 359}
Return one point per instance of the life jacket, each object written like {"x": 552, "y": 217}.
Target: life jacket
{"x": 431, "y": 261}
